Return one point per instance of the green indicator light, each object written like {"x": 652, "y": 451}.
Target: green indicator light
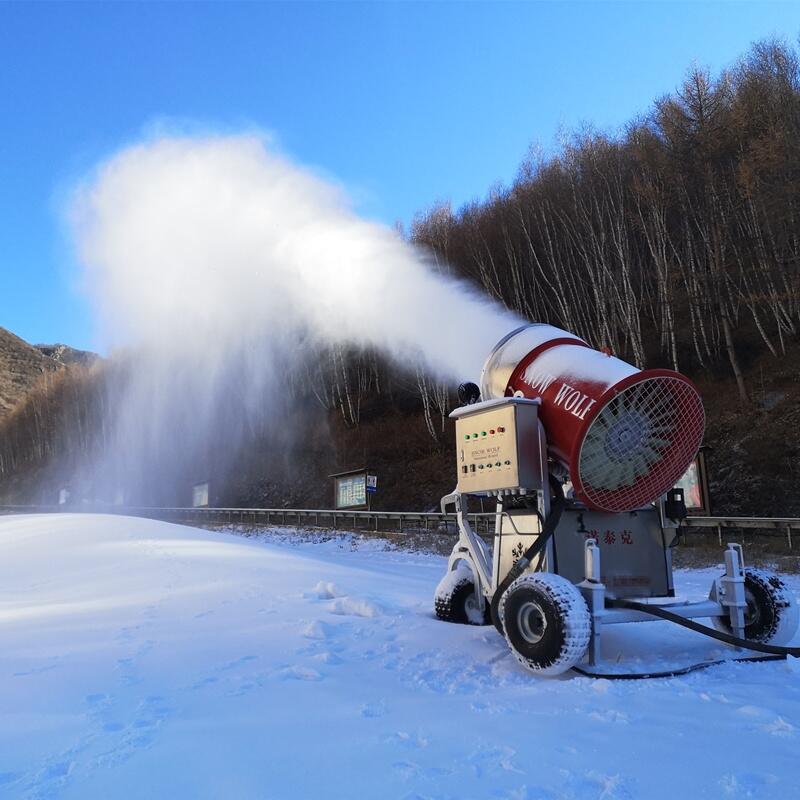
{"x": 466, "y": 436}
{"x": 474, "y": 435}
{"x": 483, "y": 433}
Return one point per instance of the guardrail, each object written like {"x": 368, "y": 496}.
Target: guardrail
{"x": 383, "y": 521}
{"x": 390, "y": 522}
{"x": 770, "y": 526}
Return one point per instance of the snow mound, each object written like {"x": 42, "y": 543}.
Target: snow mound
{"x": 324, "y": 590}
{"x": 355, "y": 607}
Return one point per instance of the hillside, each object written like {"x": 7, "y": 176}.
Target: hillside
{"x": 22, "y": 366}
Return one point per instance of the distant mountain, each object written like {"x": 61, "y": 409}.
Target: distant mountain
{"x": 64, "y": 354}
{"x": 23, "y": 365}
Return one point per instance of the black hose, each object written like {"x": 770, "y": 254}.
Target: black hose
{"x": 672, "y": 673}
{"x": 728, "y": 638}
{"x": 522, "y": 563}
{"x": 775, "y": 652}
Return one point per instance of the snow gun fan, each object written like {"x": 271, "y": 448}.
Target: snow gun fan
{"x": 625, "y": 435}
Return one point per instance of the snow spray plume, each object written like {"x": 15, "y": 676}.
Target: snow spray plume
{"x": 221, "y": 262}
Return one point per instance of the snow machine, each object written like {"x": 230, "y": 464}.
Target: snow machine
{"x": 581, "y": 451}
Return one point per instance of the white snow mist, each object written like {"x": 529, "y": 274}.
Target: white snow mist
{"x": 220, "y": 262}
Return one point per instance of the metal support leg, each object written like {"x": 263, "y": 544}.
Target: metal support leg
{"x": 468, "y": 543}
{"x": 594, "y": 592}
{"x": 731, "y": 593}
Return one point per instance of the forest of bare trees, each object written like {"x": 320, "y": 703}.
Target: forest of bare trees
{"x": 674, "y": 243}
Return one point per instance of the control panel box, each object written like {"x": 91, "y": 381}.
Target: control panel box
{"x": 497, "y": 446}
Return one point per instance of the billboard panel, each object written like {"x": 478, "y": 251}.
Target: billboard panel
{"x": 351, "y": 491}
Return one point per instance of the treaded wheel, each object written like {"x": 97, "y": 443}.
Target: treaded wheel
{"x": 546, "y": 621}
{"x": 772, "y": 613}
{"x": 455, "y": 599}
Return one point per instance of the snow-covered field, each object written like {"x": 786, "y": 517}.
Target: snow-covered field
{"x": 140, "y": 659}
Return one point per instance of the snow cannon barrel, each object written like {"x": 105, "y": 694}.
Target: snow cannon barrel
{"x": 625, "y": 435}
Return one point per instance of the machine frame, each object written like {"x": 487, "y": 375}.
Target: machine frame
{"x": 519, "y": 471}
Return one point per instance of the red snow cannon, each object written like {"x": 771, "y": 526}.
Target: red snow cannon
{"x": 625, "y": 435}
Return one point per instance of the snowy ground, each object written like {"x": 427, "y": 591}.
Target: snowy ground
{"x": 140, "y": 659}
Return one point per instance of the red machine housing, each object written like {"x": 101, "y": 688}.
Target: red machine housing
{"x": 625, "y": 435}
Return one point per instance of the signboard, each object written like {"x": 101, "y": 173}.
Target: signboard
{"x": 351, "y": 491}
{"x": 200, "y": 495}
{"x": 695, "y": 487}
{"x": 372, "y": 483}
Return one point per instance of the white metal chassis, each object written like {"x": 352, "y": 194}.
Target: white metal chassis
{"x": 726, "y": 598}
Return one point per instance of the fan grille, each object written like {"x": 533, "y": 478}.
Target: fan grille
{"x": 640, "y": 443}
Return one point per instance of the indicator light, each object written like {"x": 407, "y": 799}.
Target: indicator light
{"x": 491, "y": 431}
{"x": 483, "y": 433}
{"x": 501, "y": 430}
{"x": 466, "y": 436}
{"x": 498, "y": 464}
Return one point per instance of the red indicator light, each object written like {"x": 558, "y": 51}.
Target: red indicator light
{"x": 491, "y": 431}
{"x": 501, "y": 430}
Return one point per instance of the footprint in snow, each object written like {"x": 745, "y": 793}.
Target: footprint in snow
{"x": 746, "y": 784}
{"x": 34, "y": 670}
{"x": 211, "y": 679}
{"x": 140, "y": 733}
{"x": 113, "y": 727}
{"x": 406, "y": 739}
{"x": 317, "y": 630}
{"x": 373, "y": 710}
{"x": 612, "y": 715}
{"x": 59, "y": 769}
{"x": 237, "y": 663}
{"x": 778, "y": 727}
{"x": 609, "y": 787}
{"x": 526, "y": 792}
{"x": 299, "y": 673}
{"x": 327, "y": 657}
{"x": 493, "y": 759}
{"x": 406, "y": 769}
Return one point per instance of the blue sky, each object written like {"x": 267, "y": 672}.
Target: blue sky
{"x": 404, "y": 103}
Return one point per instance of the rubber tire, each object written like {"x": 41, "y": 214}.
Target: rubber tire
{"x": 454, "y": 599}
{"x": 567, "y": 629}
{"x": 772, "y": 614}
